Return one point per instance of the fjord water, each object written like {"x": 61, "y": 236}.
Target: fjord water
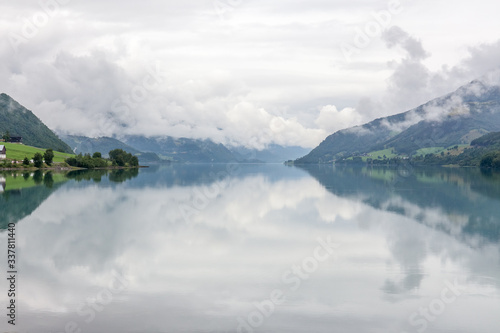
{"x": 256, "y": 248}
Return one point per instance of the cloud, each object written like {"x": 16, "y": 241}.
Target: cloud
{"x": 331, "y": 119}
{"x": 261, "y": 74}
{"x": 395, "y": 36}
{"x": 412, "y": 83}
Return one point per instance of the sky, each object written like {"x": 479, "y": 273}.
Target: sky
{"x": 239, "y": 72}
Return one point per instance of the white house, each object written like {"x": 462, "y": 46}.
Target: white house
{"x": 3, "y": 152}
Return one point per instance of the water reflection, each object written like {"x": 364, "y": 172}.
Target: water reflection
{"x": 462, "y": 202}
{"x": 115, "y": 175}
{"x": 400, "y": 240}
{"x": 23, "y": 192}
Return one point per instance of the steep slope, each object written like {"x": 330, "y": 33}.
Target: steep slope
{"x": 457, "y": 118}
{"x": 18, "y": 120}
{"x": 182, "y": 149}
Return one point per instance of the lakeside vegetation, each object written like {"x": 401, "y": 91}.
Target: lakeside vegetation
{"x": 470, "y": 157}
{"x": 483, "y": 152}
{"x": 20, "y": 156}
{"x": 117, "y": 158}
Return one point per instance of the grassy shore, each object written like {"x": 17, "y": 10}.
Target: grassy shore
{"x": 18, "y": 152}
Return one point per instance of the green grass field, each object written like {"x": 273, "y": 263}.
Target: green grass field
{"x": 430, "y": 150}
{"x": 18, "y": 152}
{"x": 374, "y": 155}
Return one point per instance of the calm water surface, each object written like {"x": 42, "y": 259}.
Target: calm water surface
{"x": 254, "y": 248}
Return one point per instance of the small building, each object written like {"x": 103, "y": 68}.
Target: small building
{"x": 16, "y": 139}
{"x": 3, "y": 152}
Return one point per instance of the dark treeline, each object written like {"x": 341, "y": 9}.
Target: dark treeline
{"x": 117, "y": 157}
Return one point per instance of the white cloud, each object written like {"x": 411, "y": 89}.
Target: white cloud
{"x": 233, "y": 80}
{"x": 331, "y": 119}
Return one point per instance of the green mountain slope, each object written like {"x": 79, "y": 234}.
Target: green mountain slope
{"x": 20, "y": 121}
{"x": 457, "y": 118}
{"x": 490, "y": 140}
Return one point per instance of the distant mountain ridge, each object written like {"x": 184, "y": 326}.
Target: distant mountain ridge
{"x": 182, "y": 149}
{"x": 18, "y": 120}
{"x": 272, "y": 154}
{"x": 457, "y": 118}
{"x": 86, "y": 145}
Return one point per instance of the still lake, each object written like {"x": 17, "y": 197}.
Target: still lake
{"x": 253, "y": 248}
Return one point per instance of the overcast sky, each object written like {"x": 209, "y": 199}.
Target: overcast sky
{"x": 249, "y": 72}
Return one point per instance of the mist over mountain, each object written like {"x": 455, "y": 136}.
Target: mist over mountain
{"x": 19, "y": 121}
{"x": 456, "y": 118}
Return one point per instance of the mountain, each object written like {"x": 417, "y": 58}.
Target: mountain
{"x": 457, "y": 118}
{"x": 272, "y": 154}
{"x": 86, "y": 145}
{"x": 19, "y": 121}
{"x": 182, "y": 149}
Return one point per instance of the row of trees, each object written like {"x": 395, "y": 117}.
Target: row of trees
{"x": 88, "y": 162}
{"x": 38, "y": 159}
{"x": 117, "y": 157}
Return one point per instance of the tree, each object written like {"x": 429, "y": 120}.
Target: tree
{"x": 134, "y": 161}
{"x": 122, "y": 158}
{"x": 6, "y": 136}
{"x": 26, "y": 161}
{"x": 38, "y": 160}
{"x": 357, "y": 159}
{"x": 48, "y": 156}
{"x": 491, "y": 160}
{"x": 97, "y": 155}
